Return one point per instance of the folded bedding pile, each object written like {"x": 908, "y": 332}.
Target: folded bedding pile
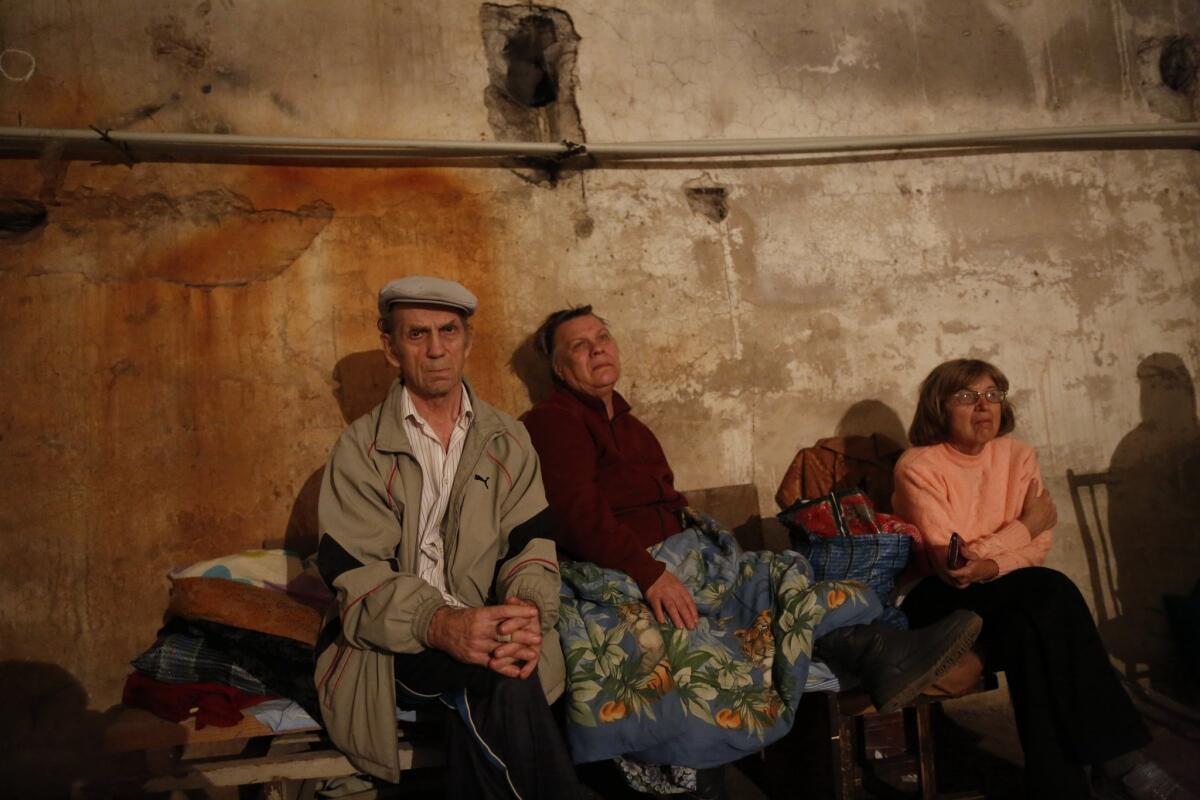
{"x": 240, "y": 636}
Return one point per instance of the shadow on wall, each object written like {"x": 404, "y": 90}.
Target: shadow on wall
{"x": 361, "y": 381}
{"x": 1154, "y": 520}
{"x": 532, "y": 370}
{"x": 867, "y": 417}
{"x": 49, "y": 740}
{"x": 861, "y": 453}
{"x": 874, "y": 437}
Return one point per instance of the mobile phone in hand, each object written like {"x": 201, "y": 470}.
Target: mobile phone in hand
{"x": 954, "y": 557}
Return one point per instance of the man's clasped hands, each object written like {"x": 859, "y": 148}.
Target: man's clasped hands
{"x": 504, "y": 638}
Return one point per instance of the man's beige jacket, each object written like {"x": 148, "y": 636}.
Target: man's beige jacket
{"x": 368, "y": 511}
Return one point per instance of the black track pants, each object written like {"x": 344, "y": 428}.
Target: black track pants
{"x": 1069, "y": 704}
{"x": 502, "y": 741}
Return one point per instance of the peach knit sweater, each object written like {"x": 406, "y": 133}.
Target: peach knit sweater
{"x": 941, "y": 490}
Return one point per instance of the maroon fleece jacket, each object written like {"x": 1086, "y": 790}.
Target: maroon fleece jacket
{"x": 608, "y": 483}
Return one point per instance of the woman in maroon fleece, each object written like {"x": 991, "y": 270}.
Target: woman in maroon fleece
{"x": 613, "y": 495}
{"x": 606, "y": 477}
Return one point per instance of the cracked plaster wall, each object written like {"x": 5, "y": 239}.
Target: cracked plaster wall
{"x": 185, "y": 342}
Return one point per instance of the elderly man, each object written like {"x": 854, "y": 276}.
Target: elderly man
{"x": 721, "y": 672}
{"x": 435, "y": 542}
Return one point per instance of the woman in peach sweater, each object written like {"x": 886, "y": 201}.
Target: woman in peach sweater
{"x": 966, "y": 476}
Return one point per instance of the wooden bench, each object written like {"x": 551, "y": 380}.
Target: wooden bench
{"x": 843, "y": 727}
{"x": 841, "y": 748}
{"x": 168, "y": 757}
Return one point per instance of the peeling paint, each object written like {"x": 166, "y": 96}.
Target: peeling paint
{"x": 216, "y": 238}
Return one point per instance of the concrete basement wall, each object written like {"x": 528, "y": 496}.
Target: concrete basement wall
{"x": 183, "y": 343}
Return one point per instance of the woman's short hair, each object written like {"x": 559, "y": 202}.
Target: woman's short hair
{"x": 544, "y": 338}
{"x": 931, "y": 424}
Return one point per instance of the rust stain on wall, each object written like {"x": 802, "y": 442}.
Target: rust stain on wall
{"x": 246, "y": 247}
{"x": 403, "y": 222}
{"x": 203, "y": 239}
{"x": 183, "y": 329}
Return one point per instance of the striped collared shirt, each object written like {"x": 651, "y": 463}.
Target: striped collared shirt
{"x": 438, "y": 465}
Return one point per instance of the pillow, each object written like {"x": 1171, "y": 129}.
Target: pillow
{"x": 282, "y": 570}
{"x": 246, "y": 606}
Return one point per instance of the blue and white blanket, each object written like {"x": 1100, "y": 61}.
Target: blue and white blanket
{"x": 661, "y": 695}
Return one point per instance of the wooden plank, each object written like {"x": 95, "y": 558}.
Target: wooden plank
{"x": 243, "y": 772}
{"x": 735, "y": 506}
{"x": 845, "y": 752}
{"x": 325, "y": 763}
{"x": 884, "y": 736}
{"x": 927, "y": 768}
{"x": 135, "y": 729}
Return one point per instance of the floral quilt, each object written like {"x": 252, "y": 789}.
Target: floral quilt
{"x": 699, "y": 698}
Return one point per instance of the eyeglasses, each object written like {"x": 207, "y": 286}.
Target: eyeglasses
{"x": 969, "y": 397}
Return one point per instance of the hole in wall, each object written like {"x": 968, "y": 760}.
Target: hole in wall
{"x": 1167, "y": 79}
{"x": 20, "y": 216}
{"x": 1178, "y": 64}
{"x": 707, "y": 200}
{"x": 532, "y": 80}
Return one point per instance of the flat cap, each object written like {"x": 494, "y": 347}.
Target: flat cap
{"x": 427, "y": 290}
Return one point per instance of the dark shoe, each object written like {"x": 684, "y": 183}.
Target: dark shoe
{"x": 710, "y": 784}
{"x": 894, "y": 665}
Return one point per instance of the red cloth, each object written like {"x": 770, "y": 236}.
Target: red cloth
{"x": 853, "y": 516}
{"x": 212, "y": 703}
{"x": 608, "y": 483}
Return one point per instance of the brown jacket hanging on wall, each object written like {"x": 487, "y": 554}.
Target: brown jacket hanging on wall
{"x": 865, "y": 462}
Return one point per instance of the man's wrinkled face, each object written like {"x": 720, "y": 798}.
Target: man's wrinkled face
{"x": 586, "y": 356}
{"x": 430, "y": 346}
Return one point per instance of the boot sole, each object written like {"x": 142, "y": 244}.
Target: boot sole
{"x": 961, "y": 644}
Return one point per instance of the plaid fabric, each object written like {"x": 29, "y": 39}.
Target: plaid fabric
{"x": 181, "y": 658}
{"x": 284, "y": 666}
{"x": 873, "y": 560}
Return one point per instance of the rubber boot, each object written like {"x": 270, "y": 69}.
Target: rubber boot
{"x": 894, "y": 665}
